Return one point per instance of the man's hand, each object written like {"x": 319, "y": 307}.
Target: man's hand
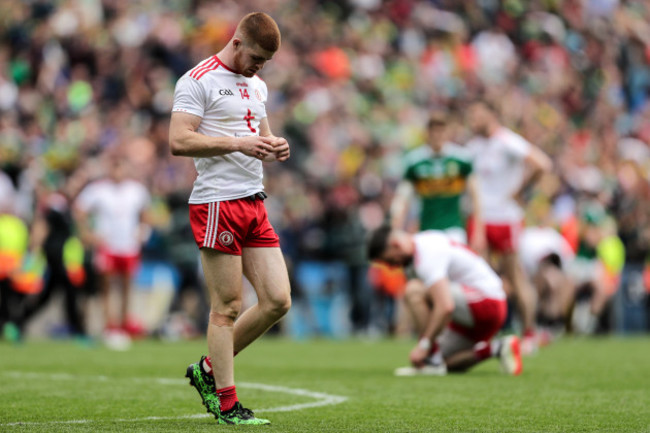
{"x": 520, "y": 198}
{"x": 418, "y": 355}
{"x": 256, "y": 146}
{"x": 281, "y": 149}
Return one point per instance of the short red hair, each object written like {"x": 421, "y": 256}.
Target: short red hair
{"x": 259, "y": 28}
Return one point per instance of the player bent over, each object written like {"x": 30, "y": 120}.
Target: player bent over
{"x": 219, "y": 118}
{"x": 458, "y": 308}
{"x": 547, "y": 256}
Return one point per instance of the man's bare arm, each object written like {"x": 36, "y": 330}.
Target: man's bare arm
{"x": 185, "y": 141}
{"x": 538, "y": 163}
{"x": 478, "y": 242}
{"x": 443, "y": 308}
{"x": 400, "y": 205}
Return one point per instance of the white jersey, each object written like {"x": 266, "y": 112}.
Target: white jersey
{"x": 536, "y": 243}
{"x": 499, "y": 168}
{"x": 438, "y": 257}
{"x": 115, "y": 209}
{"x": 230, "y": 105}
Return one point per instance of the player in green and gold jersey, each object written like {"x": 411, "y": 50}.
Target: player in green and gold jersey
{"x": 439, "y": 174}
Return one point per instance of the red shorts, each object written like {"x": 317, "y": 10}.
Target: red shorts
{"x": 502, "y": 238}
{"x": 489, "y": 316}
{"x": 109, "y": 263}
{"x": 230, "y": 226}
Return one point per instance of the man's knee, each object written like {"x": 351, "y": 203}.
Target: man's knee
{"x": 277, "y": 306}
{"x": 226, "y": 315}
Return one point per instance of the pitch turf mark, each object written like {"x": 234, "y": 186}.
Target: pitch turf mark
{"x": 322, "y": 399}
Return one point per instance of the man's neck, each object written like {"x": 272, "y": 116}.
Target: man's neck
{"x": 227, "y": 57}
{"x": 436, "y": 148}
{"x": 493, "y": 129}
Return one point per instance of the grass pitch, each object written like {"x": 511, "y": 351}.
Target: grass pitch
{"x": 575, "y": 385}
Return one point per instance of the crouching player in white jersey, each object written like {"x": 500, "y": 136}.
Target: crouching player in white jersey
{"x": 219, "y": 118}
{"x": 546, "y": 257}
{"x": 458, "y": 308}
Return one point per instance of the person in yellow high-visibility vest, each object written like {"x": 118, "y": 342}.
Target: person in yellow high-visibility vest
{"x": 13, "y": 245}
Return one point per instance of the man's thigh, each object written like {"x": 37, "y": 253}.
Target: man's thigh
{"x": 452, "y": 342}
{"x": 462, "y": 313}
{"x": 267, "y": 272}
{"x": 223, "y": 275}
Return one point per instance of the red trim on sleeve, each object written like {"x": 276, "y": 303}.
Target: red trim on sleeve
{"x": 214, "y": 60}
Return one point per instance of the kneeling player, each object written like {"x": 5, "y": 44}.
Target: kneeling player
{"x": 458, "y": 303}
{"x": 546, "y": 256}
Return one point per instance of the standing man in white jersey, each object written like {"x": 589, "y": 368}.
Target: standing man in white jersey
{"x": 219, "y": 119}
{"x": 458, "y": 308}
{"x": 111, "y": 214}
{"x": 506, "y": 167}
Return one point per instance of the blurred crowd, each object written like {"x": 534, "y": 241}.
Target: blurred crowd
{"x": 351, "y": 89}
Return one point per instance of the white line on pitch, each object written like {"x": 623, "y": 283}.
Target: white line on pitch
{"x": 323, "y": 399}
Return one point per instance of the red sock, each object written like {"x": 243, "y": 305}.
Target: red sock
{"x": 227, "y": 398}
{"x": 529, "y": 333}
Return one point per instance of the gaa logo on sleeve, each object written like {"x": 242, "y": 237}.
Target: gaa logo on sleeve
{"x": 226, "y": 238}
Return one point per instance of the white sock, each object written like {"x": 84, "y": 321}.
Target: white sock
{"x": 495, "y": 347}
{"x": 436, "y": 358}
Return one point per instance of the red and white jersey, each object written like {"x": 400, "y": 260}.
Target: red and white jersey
{"x": 536, "y": 243}
{"x": 115, "y": 209}
{"x": 438, "y": 257}
{"x": 230, "y": 105}
{"x": 499, "y": 167}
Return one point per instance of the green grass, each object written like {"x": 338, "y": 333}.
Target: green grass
{"x": 574, "y": 385}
